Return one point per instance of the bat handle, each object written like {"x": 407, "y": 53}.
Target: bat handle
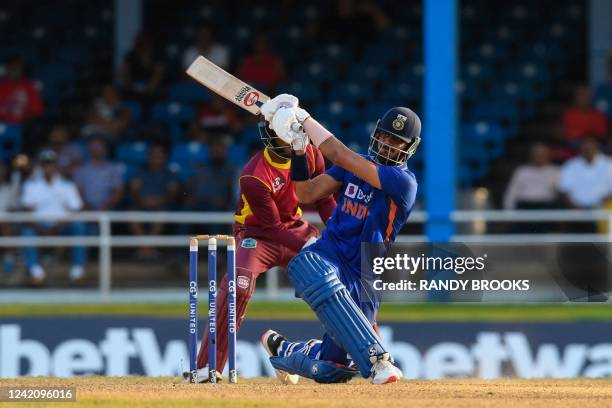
{"x": 296, "y": 127}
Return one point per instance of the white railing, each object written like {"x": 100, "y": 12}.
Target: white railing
{"x": 105, "y": 240}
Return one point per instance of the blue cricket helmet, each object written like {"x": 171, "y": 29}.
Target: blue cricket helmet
{"x": 401, "y": 123}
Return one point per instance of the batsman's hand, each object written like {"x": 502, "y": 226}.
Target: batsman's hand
{"x": 285, "y": 124}
{"x": 268, "y": 109}
{"x": 300, "y": 141}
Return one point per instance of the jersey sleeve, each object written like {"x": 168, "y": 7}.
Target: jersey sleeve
{"x": 565, "y": 177}
{"x": 399, "y": 184}
{"x": 73, "y": 198}
{"x": 265, "y": 210}
{"x": 28, "y": 196}
{"x": 337, "y": 173}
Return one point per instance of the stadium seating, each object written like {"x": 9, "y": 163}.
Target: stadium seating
{"x": 189, "y": 153}
{"x": 499, "y": 83}
{"x": 603, "y": 99}
{"x": 10, "y": 141}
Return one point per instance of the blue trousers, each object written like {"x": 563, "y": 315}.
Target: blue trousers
{"x": 328, "y": 350}
{"x": 79, "y": 254}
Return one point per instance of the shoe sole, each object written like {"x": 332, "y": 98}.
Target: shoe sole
{"x": 283, "y": 376}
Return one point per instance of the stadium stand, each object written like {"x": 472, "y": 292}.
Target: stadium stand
{"x": 510, "y": 93}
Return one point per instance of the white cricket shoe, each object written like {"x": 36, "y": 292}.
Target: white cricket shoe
{"x": 271, "y": 342}
{"x": 383, "y": 372}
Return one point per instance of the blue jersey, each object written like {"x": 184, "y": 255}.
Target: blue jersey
{"x": 365, "y": 214}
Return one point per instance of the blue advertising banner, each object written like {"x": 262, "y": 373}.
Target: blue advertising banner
{"x": 69, "y": 346}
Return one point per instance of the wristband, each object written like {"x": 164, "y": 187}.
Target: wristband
{"x": 299, "y": 167}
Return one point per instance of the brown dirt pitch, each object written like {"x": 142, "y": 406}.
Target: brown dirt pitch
{"x": 170, "y": 392}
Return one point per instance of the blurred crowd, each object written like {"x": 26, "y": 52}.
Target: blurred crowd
{"x": 74, "y": 164}
{"x": 575, "y": 170}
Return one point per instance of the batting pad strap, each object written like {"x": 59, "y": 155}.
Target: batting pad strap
{"x": 316, "y": 281}
{"x": 324, "y": 372}
{"x": 299, "y": 167}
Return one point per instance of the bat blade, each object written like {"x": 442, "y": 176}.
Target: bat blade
{"x": 226, "y": 85}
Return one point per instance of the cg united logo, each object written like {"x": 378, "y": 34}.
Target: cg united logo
{"x": 251, "y": 98}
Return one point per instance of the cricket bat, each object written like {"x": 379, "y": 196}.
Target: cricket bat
{"x": 226, "y": 85}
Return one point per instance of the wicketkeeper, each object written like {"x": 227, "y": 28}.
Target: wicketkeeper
{"x": 269, "y": 228}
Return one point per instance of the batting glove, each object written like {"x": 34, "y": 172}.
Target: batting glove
{"x": 268, "y": 109}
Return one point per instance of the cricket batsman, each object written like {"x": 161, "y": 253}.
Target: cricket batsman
{"x": 377, "y": 195}
{"x": 268, "y": 227}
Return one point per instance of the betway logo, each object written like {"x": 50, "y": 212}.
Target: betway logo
{"x": 353, "y": 191}
{"x": 121, "y": 352}
{"x": 124, "y": 351}
{"x": 495, "y": 355}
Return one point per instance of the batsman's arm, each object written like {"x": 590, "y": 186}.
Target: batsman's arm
{"x": 313, "y": 190}
{"x": 341, "y": 155}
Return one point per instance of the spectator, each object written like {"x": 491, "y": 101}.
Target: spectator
{"x": 586, "y": 180}
{"x": 583, "y": 120}
{"x": 11, "y": 182}
{"x": 19, "y": 98}
{"x": 108, "y": 117}
{"x": 69, "y": 155}
{"x": 153, "y": 189}
{"x": 206, "y": 46}
{"x": 262, "y": 67}
{"x": 533, "y": 185}
{"x": 10, "y": 195}
{"x": 52, "y": 195}
{"x": 9, "y": 201}
{"x": 100, "y": 181}
{"x": 218, "y": 116}
{"x": 142, "y": 72}
{"x": 363, "y": 19}
{"x": 211, "y": 188}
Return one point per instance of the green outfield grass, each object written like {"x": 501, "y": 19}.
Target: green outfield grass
{"x": 299, "y": 311}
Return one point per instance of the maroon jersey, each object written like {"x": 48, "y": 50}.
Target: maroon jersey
{"x": 268, "y": 206}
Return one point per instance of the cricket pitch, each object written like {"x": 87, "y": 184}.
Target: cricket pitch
{"x": 267, "y": 392}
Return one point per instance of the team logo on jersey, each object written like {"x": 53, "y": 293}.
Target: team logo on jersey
{"x": 358, "y": 207}
{"x": 249, "y": 243}
{"x": 351, "y": 190}
{"x": 243, "y": 282}
{"x": 399, "y": 122}
{"x": 277, "y": 184}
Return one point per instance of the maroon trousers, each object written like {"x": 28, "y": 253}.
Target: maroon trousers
{"x": 254, "y": 256}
